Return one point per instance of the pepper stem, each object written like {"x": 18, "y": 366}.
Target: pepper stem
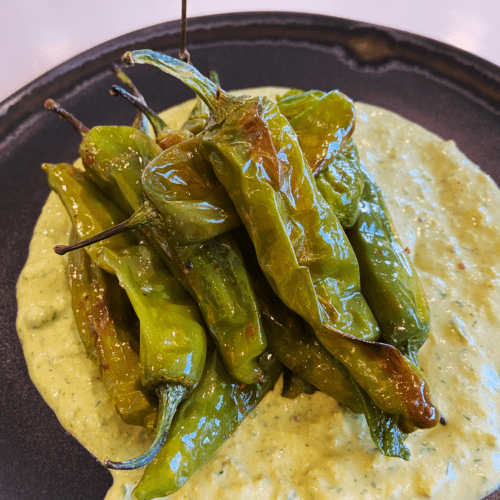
{"x": 144, "y": 216}
{"x": 207, "y": 90}
{"x": 126, "y": 80}
{"x": 159, "y": 126}
{"x": 51, "y": 105}
{"x": 169, "y": 397}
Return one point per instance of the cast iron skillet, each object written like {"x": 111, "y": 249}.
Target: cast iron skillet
{"x": 449, "y": 92}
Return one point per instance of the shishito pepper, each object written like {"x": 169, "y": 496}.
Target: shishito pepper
{"x": 388, "y": 279}
{"x": 182, "y": 187}
{"x": 295, "y": 101}
{"x": 203, "y": 423}
{"x": 323, "y": 128}
{"x": 213, "y": 272}
{"x": 324, "y": 124}
{"x": 293, "y": 342}
{"x": 341, "y": 183}
{"x": 107, "y": 328}
{"x": 121, "y": 152}
{"x": 172, "y": 338}
{"x": 300, "y": 245}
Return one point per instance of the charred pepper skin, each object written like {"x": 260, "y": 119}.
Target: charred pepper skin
{"x": 183, "y": 188}
{"x": 333, "y": 157}
{"x": 107, "y": 329}
{"x": 252, "y": 149}
{"x": 293, "y": 342}
{"x": 120, "y": 152}
{"x": 213, "y": 272}
{"x": 324, "y": 128}
{"x": 204, "y": 422}
{"x": 389, "y": 280}
{"x": 172, "y": 338}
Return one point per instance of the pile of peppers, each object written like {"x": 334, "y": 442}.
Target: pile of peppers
{"x": 207, "y": 261}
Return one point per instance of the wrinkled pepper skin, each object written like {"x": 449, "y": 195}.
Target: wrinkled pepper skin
{"x": 182, "y": 187}
{"x": 293, "y": 342}
{"x": 388, "y": 279}
{"x": 202, "y": 425}
{"x": 295, "y": 101}
{"x": 173, "y": 341}
{"x": 215, "y": 275}
{"x": 255, "y": 155}
{"x": 341, "y": 183}
{"x": 300, "y": 244}
{"x": 106, "y": 326}
{"x": 121, "y": 153}
{"x": 213, "y": 272}
{"x": 328, "y": 119}
{"x": 324, "y": 128}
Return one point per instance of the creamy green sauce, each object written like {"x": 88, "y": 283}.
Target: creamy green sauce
{"x": 447, "y": 213}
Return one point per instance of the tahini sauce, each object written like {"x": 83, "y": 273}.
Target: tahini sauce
{"x": 447, "y": 213}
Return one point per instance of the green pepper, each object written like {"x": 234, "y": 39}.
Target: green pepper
{"x": 172, "y": 338}
{"x": 121, "y": 152}
{"x": 324, "y": 124}
{"x": 341, "y": 183}
{"x": 213, "y": 272}
{"x": 203, "y": 423}
{"x": 323, "y": 128}
{"x": 293, "y": 342}
{"x": 112, "y": 146}
{"x": 388, "y": 279}
{"x": 107, "y": 328}
{"x": 296, "y": 101}
{"x": 182, "y": 187}
{"x": 300, "y": 244}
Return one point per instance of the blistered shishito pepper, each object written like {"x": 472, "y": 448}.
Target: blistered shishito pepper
{"x": 121, "y": 152}
{"x": 172, "y": 338}
{"x": 203, "y": 424}
{"x": 295, "y": 101}
{"x": 107, "y": 327}
{"x": 388, "y": 279}
{"x": 293, "y": 342}
{"x": 300, "y": 244}
{"x": 213, "y": 272}
{"x": 323, "y": 128}
{"x": 182, "y": 187}
{"x": 341, "y": 184}
{"x": 324, "y": 124}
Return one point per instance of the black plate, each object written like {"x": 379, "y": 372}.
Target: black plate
{"x": 450, "y": 92}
